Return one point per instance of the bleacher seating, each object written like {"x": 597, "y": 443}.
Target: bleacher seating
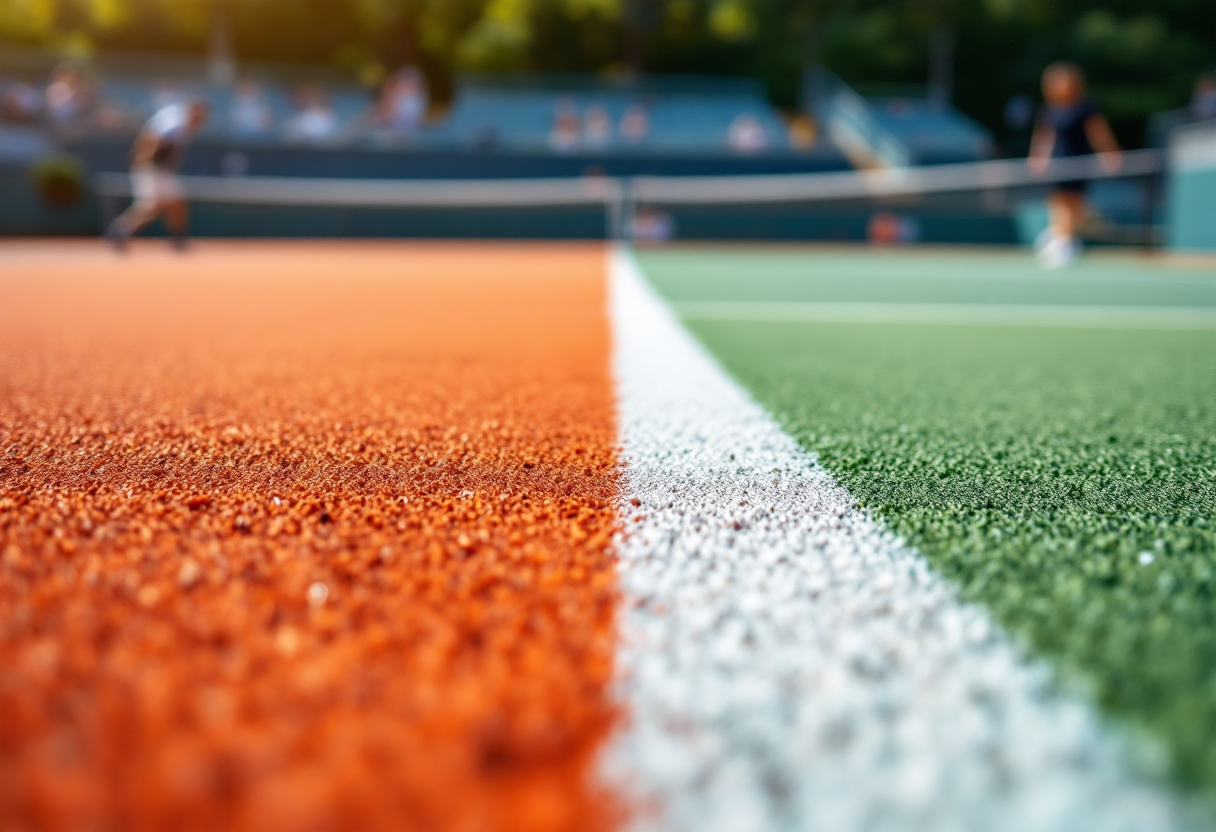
{"x": 933, "y": 133}
{"x": 893, "y": 131}
{"x": 689, "y": 121}
{"x": 685, "y": 115}
{"x": 505, "y": 116}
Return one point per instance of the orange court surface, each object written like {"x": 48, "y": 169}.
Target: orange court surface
{"x": 305, "y": 536}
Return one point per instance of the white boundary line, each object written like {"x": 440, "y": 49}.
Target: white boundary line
{"x": 962, "y": 314}
{"x": 787, "y": 665}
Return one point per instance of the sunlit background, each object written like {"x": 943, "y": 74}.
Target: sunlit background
{"x": 1143, "y": 57}
{"x": 484, "y": 89}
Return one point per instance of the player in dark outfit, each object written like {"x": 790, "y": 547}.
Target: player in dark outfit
{"x": 1069, "y": 125}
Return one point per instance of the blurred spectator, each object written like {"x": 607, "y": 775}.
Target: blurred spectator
{"x": 403, "y": 101}
{"x": 249, "y": 115}
{"x": 635, "y": 124}
{"x": 1203, "y": 102}
{"x": 21, "y": 104}
{"x": 486, "y": 137}
{"x": 899, "y": 107}
{"x": 69, "y": 99}
{"x": 167, "y": 94}
{"x": 747, "y": 135}
{"x": 597, "y": 127}
{"x": 802, "y": 132}
{"x": 315, "y": 122}
{"x": 1019, "y": 118}
{"x": 234, "y": 163}
{"x": 651, "y": 225}
{"x": 887, "y": 228}
{"x": 564, "y": 136}
{"x": 1019, "y": 113}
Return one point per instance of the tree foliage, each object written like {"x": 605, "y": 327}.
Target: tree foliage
{"x": 1141, "y": 56}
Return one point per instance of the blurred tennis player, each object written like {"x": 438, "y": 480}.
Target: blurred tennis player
{"x": 1068, "y": 125}
{"x": 155, "y": 160}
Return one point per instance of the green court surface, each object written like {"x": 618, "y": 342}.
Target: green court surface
{"x": 1046, "y": 439}
{"x": 746, "y": 276}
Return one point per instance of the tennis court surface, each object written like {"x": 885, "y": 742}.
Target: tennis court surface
{"x": 308, "y": 537}
{"x": 563, "y": 537}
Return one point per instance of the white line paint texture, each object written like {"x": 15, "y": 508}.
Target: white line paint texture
{"x": 960, "y": 314}
{"x": 788, "y": 665}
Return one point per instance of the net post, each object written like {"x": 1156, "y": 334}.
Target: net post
{"x": 616, "y": 208}
{"x": 620, "y": 213}
{"x": 628, "y": 208}
{"x": 1149, "y": 198}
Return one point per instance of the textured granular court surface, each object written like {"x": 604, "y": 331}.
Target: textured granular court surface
{"x": 305, "y": 537}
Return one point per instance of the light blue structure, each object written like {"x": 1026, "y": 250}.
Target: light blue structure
{"x": 892, "y": 131}
{"x": 1192, "y": 188}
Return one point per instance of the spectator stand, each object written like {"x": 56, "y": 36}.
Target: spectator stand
{"x": 572, "y": 113}
{"x": 676, "y": 115}
{"x": 893, "y": 130}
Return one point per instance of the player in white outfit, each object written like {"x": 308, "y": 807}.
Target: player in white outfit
{"x": 157, "y": 154}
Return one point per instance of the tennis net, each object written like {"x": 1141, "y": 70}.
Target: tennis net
{"x": 587, "y": 207}
{"x": 986, "y": 202}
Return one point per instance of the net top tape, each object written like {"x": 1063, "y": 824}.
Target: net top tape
{"x": 971, "y": 176}
{"x": 606, "y": 191}
{"x": 383, "y": 193}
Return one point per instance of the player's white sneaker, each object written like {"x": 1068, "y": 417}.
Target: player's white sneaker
{"x": 1056, "y": 251}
